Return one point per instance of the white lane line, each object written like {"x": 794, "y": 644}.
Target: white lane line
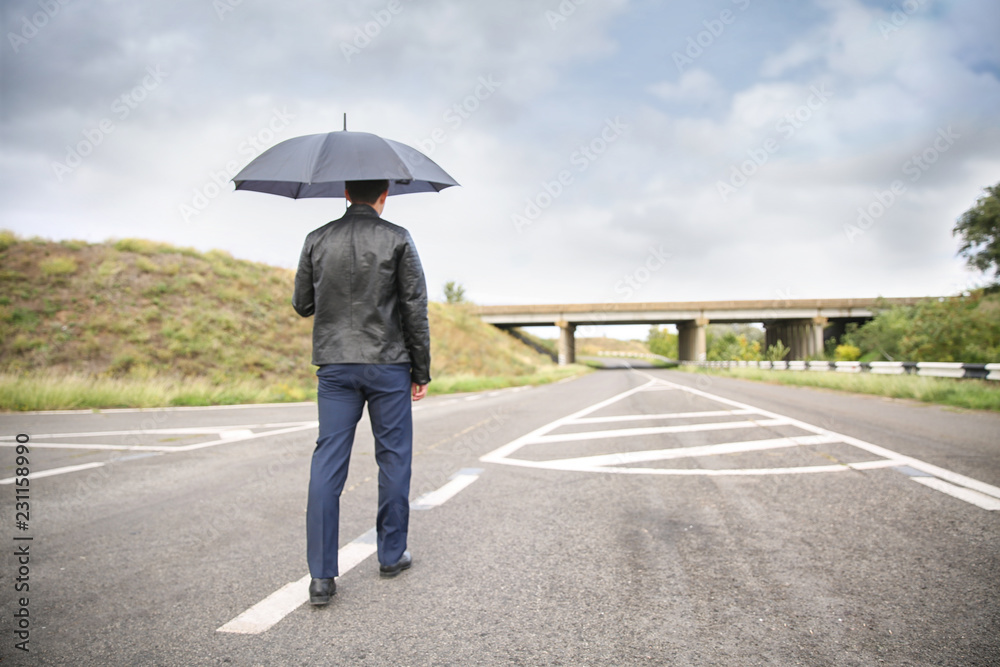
{"x": 669, "y": 415}
{"x": 962, "y": 493}
{"x": 290, "y": 597}
{"x": 94, "y": 446}
{"x": 243, "y": 438}
{"x": 653, "y": 430}
{"x": 687, "y": 452}
{"x": 269, "y": 611}
{"x": 737, "y": 472}
{"x": 55, "y": 471}
{"x": 459, "y": 481}
{"x": 204, "y": 430}
{"x": 114, "y": 411}
{"x": 227, "y": 437}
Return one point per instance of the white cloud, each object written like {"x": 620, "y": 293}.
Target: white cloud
{"x": 657, "y": 184}
{"x": 695, "y": 85}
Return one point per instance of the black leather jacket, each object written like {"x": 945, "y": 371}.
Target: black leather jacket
{"x": 362, "y": 279}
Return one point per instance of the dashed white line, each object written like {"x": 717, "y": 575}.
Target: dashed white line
{"x": 290, "y": 597}
{"x": 269, "y": 611}
{"x": 459, "y": 481}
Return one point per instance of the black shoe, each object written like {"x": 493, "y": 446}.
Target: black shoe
{"x": 320, "y": 591}
{"x": 404, "y": 563}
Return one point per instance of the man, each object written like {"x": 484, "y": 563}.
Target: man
{"x": 361, "y": 277}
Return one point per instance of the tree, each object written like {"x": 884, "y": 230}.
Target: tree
{"x": 979, "y": 228}
{"x": 732, "y": 342}
{"x": 662, "y": 342}
{"x": 965, "y": 329}
{"x": 454, "y": 292}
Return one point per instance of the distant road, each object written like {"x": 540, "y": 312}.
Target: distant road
{"x": 631, "y": 516}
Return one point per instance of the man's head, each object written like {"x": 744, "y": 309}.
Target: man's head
{"x": 372, "y": 193}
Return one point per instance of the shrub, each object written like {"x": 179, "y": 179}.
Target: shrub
{"x": 7, "y": 239}
{"x": 847, "y": 353}
{"x": 145, "y": 265}
{"x": 58, "y": 266}
{"x": 141, "y": 246}
{"x": 964, "y": 329}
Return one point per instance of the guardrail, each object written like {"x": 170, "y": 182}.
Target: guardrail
{"x": 924, "y": 368}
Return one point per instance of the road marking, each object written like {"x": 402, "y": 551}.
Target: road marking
{"x": 917, "y": 464}
{"x": 499, "y": 455}
{"x": 654, "y": 430}
{"x": 971, "y": 490}
{"x": 587, "y": 462}
{"x": 55, "y": 471}
{"x": 290, "y": 597}
{"x": 189, "y": 408}
{"x": 459, "y": 481}
{"x": 747, "y": 472}
{"x": 93, "y": 446}
{"x": 968, "y": 495}
{"x": 269, "y": 611}
{"x": 197, "y": 430}
{"x": 227, "y": 435}
{"x": 669, "y": 415}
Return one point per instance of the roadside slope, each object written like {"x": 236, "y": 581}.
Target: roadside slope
{"x": 154, "y": 319}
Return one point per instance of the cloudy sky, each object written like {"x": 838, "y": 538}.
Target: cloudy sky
{"x": 608, "y": 150}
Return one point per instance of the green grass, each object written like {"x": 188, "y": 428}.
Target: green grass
{"x": 76, "y": 392}
{"x": 971, "y": 394}
{"x": 69, "y": 392}
{"x": 453, "y": 384}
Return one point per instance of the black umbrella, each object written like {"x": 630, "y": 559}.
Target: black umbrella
{"x": 317, "y": 165}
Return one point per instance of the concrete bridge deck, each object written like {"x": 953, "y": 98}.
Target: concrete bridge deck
{"x": 801, "y": 324}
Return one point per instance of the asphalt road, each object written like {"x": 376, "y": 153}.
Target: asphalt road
{"x": 629, "y": 517}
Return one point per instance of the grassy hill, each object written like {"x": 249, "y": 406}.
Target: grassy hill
{"x": 139, "y": 323}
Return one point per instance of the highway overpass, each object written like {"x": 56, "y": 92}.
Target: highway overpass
{"x": 801, "y": 324}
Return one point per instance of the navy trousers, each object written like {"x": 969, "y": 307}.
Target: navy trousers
{"x": 343, "y": 391}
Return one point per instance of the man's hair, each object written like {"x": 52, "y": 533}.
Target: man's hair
{"x": 366, "y": 192}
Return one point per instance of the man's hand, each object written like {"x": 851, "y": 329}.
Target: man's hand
{"x": 419, "y": 390}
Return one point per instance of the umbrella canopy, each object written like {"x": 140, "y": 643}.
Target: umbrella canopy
{"x": 318, "y": 165}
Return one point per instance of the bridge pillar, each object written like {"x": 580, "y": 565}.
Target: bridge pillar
{"x": 567, "y": 342}
{"x": 803, "y": 338}
{"x": 691, "y": 340}
{"x": 816, "y": 339}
